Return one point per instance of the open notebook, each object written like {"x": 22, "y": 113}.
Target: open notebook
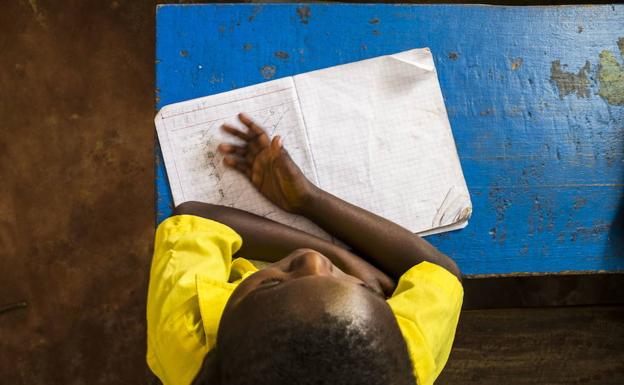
{"x": 373, "y": 132}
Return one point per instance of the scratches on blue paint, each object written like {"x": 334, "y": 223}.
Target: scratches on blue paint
{"x": 254, "y": 12}
{"x": 542, "y": 151}
{"x": 304, "y": 12}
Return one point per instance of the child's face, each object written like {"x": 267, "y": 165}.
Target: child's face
{"x": 300, "y": 264}
{"x": 303, "y": 284}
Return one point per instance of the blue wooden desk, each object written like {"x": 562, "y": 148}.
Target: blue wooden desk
{"x": 535, "y": 97}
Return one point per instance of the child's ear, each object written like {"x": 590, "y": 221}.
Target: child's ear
{"x": 209, "y": 373}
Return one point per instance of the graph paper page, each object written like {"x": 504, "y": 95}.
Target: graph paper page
{"x": 381, "y": 139}
{"x": 189, "y": 133}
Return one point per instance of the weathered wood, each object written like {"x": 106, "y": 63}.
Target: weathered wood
{"x": 532, "y": 94}
{"x": 544, "y": 290}
{"x": 574, "y": 345}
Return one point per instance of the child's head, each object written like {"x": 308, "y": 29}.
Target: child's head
{"x": 304, "y": 321}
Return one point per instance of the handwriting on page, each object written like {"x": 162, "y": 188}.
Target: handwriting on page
{"x": 196, "y": 168}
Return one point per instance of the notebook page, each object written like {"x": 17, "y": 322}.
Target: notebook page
{"x": 189, "y": 133}
{"x": 381, "y": 139}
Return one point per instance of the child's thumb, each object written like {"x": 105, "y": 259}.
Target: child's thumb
{"x": 276, "y": 145}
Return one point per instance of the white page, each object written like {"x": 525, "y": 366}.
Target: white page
{"x": 374, "y": 133}
{"x": 189, "y": 133}
{"x": 381, "y": 139}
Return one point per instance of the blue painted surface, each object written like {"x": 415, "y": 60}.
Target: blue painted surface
{"x": 546, "y": 173}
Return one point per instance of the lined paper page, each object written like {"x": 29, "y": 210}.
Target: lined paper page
{"x": 189, "y": 133}
{"x": 381, "y": 139}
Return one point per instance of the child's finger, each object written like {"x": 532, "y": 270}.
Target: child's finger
{"x": 235, "y": 131}
{"x": 229, "y": 161}
{"x": 256, "y": 174}
{"x": 242, "y": 168}
{"x": 276, "y": 145}
{"x": 226, "y": 148}
{"x": 258, "y": 143}
{"x": 250, "y": 157}
{"x": 256, "y": 179}
{"x": 253, "y": 127}
{"x": 237, "y": 163}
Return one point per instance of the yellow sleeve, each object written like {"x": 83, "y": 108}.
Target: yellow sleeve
{"x": 426, "y": 304}
{"x": 185, "y": 247}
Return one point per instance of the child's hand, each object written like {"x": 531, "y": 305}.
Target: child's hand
{"x": 267, "y": 164}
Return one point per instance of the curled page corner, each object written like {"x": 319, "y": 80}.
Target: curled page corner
{"x": 455, "y": 208}
{"x": 465, "y": 214}
{"x": 419, "y": 58}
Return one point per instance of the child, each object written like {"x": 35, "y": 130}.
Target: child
{"x": 318, "y": 313}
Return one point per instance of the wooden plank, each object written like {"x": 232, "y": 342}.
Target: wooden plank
{"x": 574, "y": 345}
{"x": 532, "y": 95}
{"x": 544, "y": 290}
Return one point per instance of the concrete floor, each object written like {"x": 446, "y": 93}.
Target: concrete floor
{"x": 77, "y": 218}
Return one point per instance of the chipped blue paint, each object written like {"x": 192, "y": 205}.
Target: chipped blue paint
{"x": 546, "y": 173}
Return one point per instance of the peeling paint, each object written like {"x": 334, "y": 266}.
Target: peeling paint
{"x": 184, "y": 53}
{"x": 500, "y": 203}
{"x": 611, "y": 76}
{"x": 569, "y": 82}
{"x": 453, "y": 55}
{"x": 268, "y": 71}
{"x": 374, "y": 21}
{"x": 304, "y": 14}
{"x": 579, "y": 203}
{"x": 587, "y": 233}
{"x": 256, "y": 10}
{"x": 376, "y": 32}
{"x": 247, "y": 47}
{"x": 282, "y": 55}
{"x": 516, "y": 63}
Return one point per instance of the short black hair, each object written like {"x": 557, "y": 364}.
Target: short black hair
{"x": 328, "y": 350}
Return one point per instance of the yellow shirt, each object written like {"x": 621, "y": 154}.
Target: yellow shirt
{"x": 193, "y": 275}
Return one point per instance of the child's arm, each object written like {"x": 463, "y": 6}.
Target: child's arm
{"x": 388, "y": 245}
{"x": 275, "y": 175}
{"x": 269, "y": 241}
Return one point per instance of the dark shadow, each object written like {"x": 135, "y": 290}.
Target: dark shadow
{"x": 544, "y": 291}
